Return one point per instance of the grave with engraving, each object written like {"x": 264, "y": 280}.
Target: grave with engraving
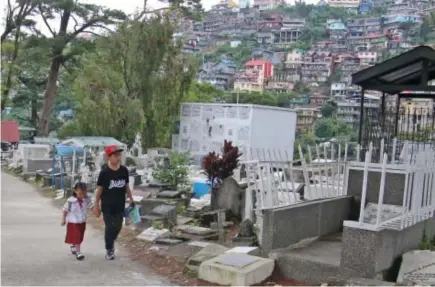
{"x": 236, "y": 269}
{"x": 388, "y": 212}
{"x": 418, "y": 267}
{"x": 152, "y": 234}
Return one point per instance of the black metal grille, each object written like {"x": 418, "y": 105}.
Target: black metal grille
{"x": 415, "y": 125}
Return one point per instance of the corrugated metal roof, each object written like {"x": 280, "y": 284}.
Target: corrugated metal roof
{"x": 10, "y": 132}
{"x": 95, "y": 141}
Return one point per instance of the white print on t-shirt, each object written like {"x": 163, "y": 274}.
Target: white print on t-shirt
{"x": 117, "y": 183}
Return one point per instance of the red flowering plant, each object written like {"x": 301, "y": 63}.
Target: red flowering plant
{"x": 217, "y": 168}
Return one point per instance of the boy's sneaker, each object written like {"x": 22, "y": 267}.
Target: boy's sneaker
{"x": 80, "y": 256}
{"x": 110, "y": 254}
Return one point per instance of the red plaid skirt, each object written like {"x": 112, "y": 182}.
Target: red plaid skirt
{"x": 75, "y": 233}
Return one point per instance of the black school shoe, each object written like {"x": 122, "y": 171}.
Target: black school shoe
{"x": 79, "y": 256}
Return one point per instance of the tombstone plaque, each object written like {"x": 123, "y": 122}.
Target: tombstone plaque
{"x": 151, "y": 234}
{"x": 418, "y": 267}
{"x": 388, "y": 212}
{"x": 237, "y": 260}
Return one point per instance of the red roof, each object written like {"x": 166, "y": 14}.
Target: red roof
{"x": 256, "y": 62}
{"x": 9, "y": 131}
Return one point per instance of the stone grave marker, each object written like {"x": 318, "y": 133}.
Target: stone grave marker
{"x": 388, "y": 212}
{"x": 169, "y": 194}
{"x": 418, "y": 267}
{"x": 250, "y": 250}
{"x": 168, "y": 241}
{"x": 239, "y": 269}
{"x": 183, "y": 220}
{"x": 198, "y": 243}
{"x": 196, "y": 230}
{"x": 246, "y": 235}
{"x": 237, "y": 260}
{"x": 151, "y": 234}
{"x": 210, "y": 251}
{"x": 167, "y": 211}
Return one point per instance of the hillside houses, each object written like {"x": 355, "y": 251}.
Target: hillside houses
{"x": 280, "y": 55}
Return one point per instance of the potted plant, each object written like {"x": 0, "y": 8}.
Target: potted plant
{"x": 219, "y": 167}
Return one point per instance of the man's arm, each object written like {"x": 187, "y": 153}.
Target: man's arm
{"x": 98, "y": 194}
{"x": 129, "y": 194}
{"x": 127, "y": 188}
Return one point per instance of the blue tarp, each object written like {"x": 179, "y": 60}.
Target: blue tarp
{"x": 68, "y": 151}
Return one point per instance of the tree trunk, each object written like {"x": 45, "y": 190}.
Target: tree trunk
{"x": 34, "y": 111}
{"x": 49, "y": 98}
{"x": 11, "y": 68}
{"x": 214, "y": 198}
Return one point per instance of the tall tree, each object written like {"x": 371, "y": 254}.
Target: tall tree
{"x": 16, "y": 17}
{"x": 84, "y": 18}
{"x": 134, "y": 82}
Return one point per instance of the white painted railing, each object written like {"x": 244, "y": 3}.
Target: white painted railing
{"x": 277, "y": 182}
{"x": 418, "y": 191}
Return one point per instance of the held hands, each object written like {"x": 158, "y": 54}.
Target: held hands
{"x": 97, "y": 211}
{"x": 63, "y": 222}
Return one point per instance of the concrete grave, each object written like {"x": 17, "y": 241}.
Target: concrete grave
{"x": 418, "y": 267}
{"x": 151, "y": 234}
{"x": 231, "y": 197}
{"x": 246, "y": 235}
{"x": 236, "y": 269}
{"x": 250, "y": 250}
{"x": 210, "y": 251}
{"x": 168, "y": 241}
{"x": 183, "y": 220}
{"x": 195, "y": 230}
{"x": 388, "y": 212}
{"x": 198, "y": 243}
{"x": 169, "y": 194}
{"x": 167, "y": 214}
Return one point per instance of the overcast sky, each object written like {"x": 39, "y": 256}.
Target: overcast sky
{"x": 128, "y": 6}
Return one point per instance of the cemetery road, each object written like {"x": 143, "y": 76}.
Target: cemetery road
{"x": 33, "y": 251}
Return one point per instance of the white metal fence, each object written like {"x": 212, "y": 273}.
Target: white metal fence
{"x": 276, "y": 181}
{"x": 418, "y": 191}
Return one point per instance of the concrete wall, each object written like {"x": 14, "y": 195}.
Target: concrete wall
{"x": 394, "y": 186}
{"x": 36, "y": 164}
{"x": 288, "y": 225}
{"x": 367, "y": 253}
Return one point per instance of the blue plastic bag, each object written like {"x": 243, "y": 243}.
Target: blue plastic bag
{"x": 135, "y": 215}
{"x": 132, "y": 214}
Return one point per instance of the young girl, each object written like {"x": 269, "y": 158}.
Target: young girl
{"x": 75, "y": 212}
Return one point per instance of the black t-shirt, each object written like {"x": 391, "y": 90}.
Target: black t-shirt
{"x": 114, "y": 183}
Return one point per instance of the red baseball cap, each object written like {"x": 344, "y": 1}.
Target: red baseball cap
{"x": 111, "y": 149}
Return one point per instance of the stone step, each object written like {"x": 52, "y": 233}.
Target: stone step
{"x": 316, "y": 263}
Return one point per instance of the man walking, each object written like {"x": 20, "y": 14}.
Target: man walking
{"x": 112, "y": 188}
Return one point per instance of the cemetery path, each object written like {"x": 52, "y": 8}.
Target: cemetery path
{"x": 34, "y": 252}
